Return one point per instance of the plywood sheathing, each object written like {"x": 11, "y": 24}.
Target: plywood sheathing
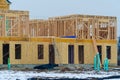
{"x": 29, "y": 51}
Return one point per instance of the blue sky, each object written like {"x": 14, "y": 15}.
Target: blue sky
{"x": 42, "y": 9}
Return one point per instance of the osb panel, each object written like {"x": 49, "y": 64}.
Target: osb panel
{"x": 46, "y": 55}
{"x": 63, "y": 53}
{"x": 89, "y": 53}
{"x": 113, "y": 54}
{"x": 76, "y": 59}
{"x": 41, "y": 39}
{"x": 58, "y": 53}
{"x": 1, "y": 58}
{"x": 29, "y": 53}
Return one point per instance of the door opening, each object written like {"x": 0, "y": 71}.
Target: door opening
{"x": 100, "y": 52}
{"x": 51, "y": 54}
{"x": 81, "y": 54}
{"x": 71, "y": 54}
{"x": 5, "y": 53}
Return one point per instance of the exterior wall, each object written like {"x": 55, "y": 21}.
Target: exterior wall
{"x": 29, "y": 52}
{"x": 114, "y": 54}
{"x": 1, "y": 59}
{"x": 63, "y": 51}
{"x": 89, "y": 53}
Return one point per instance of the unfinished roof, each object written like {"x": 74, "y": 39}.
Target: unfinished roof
{"x": 81, "y": 26}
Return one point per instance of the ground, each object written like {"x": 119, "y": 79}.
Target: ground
{"x": 25, "y": 74}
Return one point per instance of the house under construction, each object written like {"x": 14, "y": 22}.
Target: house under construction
{"x": 72, "y": 39}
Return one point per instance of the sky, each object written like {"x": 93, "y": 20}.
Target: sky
{"x": 42, "y": 9}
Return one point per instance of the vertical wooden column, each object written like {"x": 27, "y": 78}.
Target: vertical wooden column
{"x": 76, "y": 26}
{"x": 93, "y": 28}
{"x": 27, "y": 25}
{"x": 17, "y": 20}
{"x": 37, "y": 29}
{"x": 5, "y": 26}
{"x": 108, "y": 36}
{"x": 89, "y": 25}
{"x": 115, "y": 31}
{"x": 82, "y": 31}
{"x": 64, "y": 27}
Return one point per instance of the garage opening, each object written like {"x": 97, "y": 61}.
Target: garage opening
{"x": 71, "y": 54}
{"x": 5, "y": 53}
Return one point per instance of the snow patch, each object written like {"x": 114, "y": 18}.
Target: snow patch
{"x": 24, "y": 75}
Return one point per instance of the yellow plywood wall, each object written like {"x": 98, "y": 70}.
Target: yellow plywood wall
{"x": 89, "y": 53}
{"x": 29, "y": 52}
{"x": 113, "y": 54}
{"x": 1, "y": 59}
